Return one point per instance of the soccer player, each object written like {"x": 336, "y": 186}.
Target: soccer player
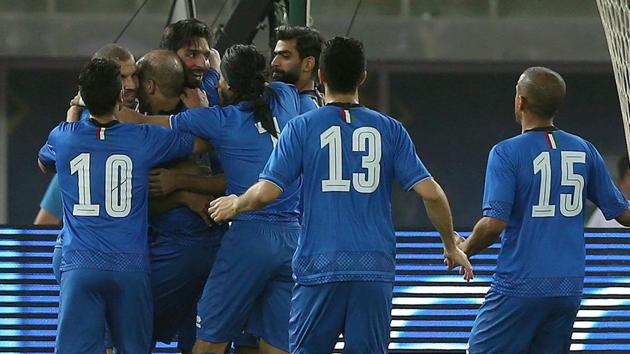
{"x": 183, "y": 246}
{"x": 103, "y": 172}
{"x": 349, "y": 155}
{"x": 296, "y": 60}
{"x": 190, "y": 39}
{"x": 535, "y": 189}
{"x": 252, "y": 271}
{"x": 50, "y": 206}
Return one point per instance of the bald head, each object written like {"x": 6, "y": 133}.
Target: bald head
{"x": 113, "y": 51}
{"x": 165, "y": 69}
{"x": 543, "y": 89}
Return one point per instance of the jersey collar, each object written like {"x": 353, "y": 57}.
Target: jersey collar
{"x": 542, "y": 129}
{"x": 101, "y": 125}
{"x": 344, "y": 105}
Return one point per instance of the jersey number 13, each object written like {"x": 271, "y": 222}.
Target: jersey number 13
{"x": 364, "y": 138}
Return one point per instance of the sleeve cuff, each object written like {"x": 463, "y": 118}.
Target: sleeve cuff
{"x": 272, "y": 182}
{"x": 272, "y": 179}
{"x": 413, "y": 181}
{"x": 170, "y": 121}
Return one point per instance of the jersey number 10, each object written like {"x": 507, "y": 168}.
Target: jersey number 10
{"x": 117, "y": 186}
{"x": 570, "y": 204}
{"x": 362, "y": 182}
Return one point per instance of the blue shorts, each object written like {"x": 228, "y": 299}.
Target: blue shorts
{"x": 251, "y": 275}
{"x": 179, "y": 271}
{"x": 511, "y": 324}
{"x": 359, "y": 310}
{"x": 90, "y": 297}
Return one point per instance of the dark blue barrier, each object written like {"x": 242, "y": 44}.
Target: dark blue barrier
{"x": 433, "y": 308}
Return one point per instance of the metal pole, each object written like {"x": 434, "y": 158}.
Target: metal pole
{"x": 297, "y": 12}
{"x": 4, "y": 148}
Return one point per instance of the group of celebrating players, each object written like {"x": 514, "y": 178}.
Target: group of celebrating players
{"x": 197, "y": 190}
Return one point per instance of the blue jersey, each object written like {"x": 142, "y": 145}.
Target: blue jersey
{"x": 310, "y": 100}
{"x": 537, "y": 182}
{"x": 349, "y": 156}
{"x": 103, "y": 174}
{"x": 244, "y": 146}
{"x": 182, "y": 223}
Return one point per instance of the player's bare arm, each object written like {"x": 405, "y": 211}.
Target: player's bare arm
{"x": 439, "y": 213}
{"x": 163, "y": 181}
{"x": 186, "y": 176}
{"x": 624, "y": 218}
{"x": 196, "y": 202}
{"x": 485, "y": 233}
{"x": 127, "y": 115}
{"x": 256, "y": 197}
{"x": 76, "y": 107}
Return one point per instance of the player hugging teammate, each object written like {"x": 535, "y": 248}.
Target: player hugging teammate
{"x": 232, "y": 208}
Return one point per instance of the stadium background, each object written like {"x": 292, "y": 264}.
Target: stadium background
{"x": 445, "y": 68}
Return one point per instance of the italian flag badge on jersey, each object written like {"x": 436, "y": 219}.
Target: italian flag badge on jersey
{"x": 346, "y": 116}
{"x": 100, "y": 133}
{"x": 551, "y": 140}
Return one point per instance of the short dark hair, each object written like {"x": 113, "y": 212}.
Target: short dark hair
{"x": 100, "y": 85}
{"x": 184, "y": 33}
{"x": 308, "y": 41}
{"x": 165, "y": 68}
{"x": 343, "y": 63}
{"x": 113, "y": 51}
{"x": 544, "y": 90}
{"x": 623, "y": 166}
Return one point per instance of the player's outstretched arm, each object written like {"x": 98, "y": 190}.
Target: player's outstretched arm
{"x": 624, "y": 218}
{"x": 127, "y": 115}
{"x": 485, "y": 233}
{"x": 256, "y": 197}
{"x": 439, "y": 213}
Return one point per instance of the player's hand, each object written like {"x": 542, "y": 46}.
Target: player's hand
{"x": 77, "y": 101}
{"x": 198, "y": 203}
{"x": 223, "y": 209}
{"x": 214, "y": 60}
{"x": 162, "y": 182}
{"x": 194, "y": 98}
{"x": 457, "y": 257}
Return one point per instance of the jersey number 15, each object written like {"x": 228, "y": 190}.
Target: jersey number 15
{"x": 570, "y": 203}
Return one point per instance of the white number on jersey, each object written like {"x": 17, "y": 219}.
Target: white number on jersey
{"x": 118, "y": 170}
{"x": 262, "y": 130}
{"x": 362, "y": 182}
{"x": 570, "y": 204}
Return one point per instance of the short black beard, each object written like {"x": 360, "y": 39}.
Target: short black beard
{"x": 288, "y": 77}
